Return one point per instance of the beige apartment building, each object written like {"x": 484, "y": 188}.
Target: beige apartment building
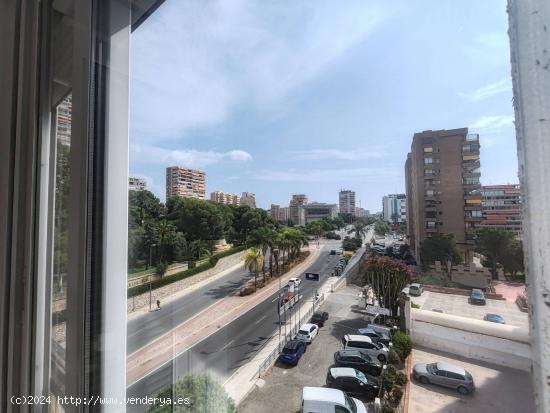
{"x": 225, "y": 198}
{"x": 248, "y": 198}
{"x": 296, "y": 210}
{"x": 185, "y": 183}
{"x": 346, "y": 201}
{"x": 442, "y": 175}
{"x": 502, "y": 208}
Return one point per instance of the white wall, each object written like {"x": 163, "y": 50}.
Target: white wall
{"x": 476, "y": 339}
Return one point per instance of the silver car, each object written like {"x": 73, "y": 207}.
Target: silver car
{"x": 446, "y": 375}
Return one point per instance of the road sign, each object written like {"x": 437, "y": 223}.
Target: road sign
{"x": 374, "y": 309}
{"x": 312, "y": 276}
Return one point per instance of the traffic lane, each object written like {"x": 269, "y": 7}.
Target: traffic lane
{"x": 232, "y": 346}
{"x": 144, "y": 329}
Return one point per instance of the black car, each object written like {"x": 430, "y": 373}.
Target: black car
{"x": 358, "y": 360}
{"x": 477, "y": 297}
{"x": 319, "y": 318}
{"x": 353, "y": 382}
{"x": 375, "y": 336}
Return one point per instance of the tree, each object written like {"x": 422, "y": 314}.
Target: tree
{"x": 264, "y": 238}
{"x": 386, "y": 278}
{"x": 360, "y": 229}
{"x": 197, "y": 248}
{"x": 253, "y": 261}
{"x": 494, "y": 244}
{"x": 512, "y": 260}
{"x": 202, "y": 391}
{"x": 439, "y": 247}
{"x": 381, "y": 227}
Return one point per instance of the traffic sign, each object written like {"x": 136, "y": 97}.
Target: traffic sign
{"x": 312, "y": 276}
{"x": 374, "y": 309}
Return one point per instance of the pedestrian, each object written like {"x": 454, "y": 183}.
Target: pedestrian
{"x": 158, "y": 304}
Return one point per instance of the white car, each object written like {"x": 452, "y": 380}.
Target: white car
{"x": 307, "y": 332}
{"x": 324, "y": 400}
{"x": 365, "y": 344}
{"x": 295, "y": 281}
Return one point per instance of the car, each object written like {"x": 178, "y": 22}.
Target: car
{"x": 352, "y": 382}
{"x": 374, "y": 335}
{"x": 324, "y": 400}
{"x": 358, "y": 360}
{"x": 332, "y": 252}
{"x": 444, "y": 374}
{"x": 416, "y": 290}
{"x": 477, "y": 297}
{"x": 319, "y": 318}
{"x": 292, "y": 351}
{"x": 494, "y": 318}
{"x": 389, "y": 331}
{"x": 307, "y": 332}
{"x": 295, "y": 282}
{"x": 365, "y": 344}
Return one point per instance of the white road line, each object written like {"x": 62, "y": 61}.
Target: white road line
{"x": 260, "y": 319}
{"x": 227, "y": 345}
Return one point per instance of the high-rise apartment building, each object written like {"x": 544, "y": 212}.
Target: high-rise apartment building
{"x": 225, "y": 198}
{"x": 64, "y": 120}
{"x": 394, "y": 208}
{"x": 185, "y": 183}
{"x": 284, "y": 214}
{"x": 275, "y": 212}
{"x": 316, "y": 211}
{"x": 502, "y": 208}
{"x": 346, "y": 200}
{"x": 297, "y": 213}
{"x": 248, "y": 198}
{"x": 443, "y": 190}
{"x": 136, "y": 184}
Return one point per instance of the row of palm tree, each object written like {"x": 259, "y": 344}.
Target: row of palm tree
{"x": 283, "y": 246}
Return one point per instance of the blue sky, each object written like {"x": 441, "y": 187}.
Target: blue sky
{"x": 284, "y": 97}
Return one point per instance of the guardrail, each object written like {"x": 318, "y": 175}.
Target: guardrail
{"x": 272, "y": 357}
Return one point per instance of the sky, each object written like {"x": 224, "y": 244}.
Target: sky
{"x": 311, "y": 96}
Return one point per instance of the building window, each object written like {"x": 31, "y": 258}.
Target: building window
{"x": 428, "y": 149}
{"x": 428, "y": 161}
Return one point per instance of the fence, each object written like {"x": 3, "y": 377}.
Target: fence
{"x": 272, "y": 357}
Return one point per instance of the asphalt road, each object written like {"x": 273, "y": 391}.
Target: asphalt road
{"x": 234, "y": 345}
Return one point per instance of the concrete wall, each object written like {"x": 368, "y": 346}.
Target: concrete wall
{"x": 504, "y": 345}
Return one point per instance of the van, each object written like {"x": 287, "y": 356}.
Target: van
{"x": 366, "y": 345}
{"x": 325, "y": 400}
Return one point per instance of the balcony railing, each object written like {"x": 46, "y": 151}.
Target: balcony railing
{"x": 472, "y": 137}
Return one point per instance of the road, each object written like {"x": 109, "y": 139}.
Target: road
{"x": 234, "y": 345}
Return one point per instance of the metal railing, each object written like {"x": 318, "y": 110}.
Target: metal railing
{"x": 273, "y": 355}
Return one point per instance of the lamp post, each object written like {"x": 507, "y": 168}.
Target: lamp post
{"x": 150, "y": 281}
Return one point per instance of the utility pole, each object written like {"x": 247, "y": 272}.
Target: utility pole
{"x": 150, "y": 275}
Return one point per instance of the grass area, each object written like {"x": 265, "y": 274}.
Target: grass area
{"x": 140, "y": 289}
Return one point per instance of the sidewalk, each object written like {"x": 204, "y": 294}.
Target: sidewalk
{"x": 205, "y": 323}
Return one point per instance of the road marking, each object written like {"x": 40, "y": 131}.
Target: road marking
{"x": 228, "y": 344}
{"x": 260, "y": 319}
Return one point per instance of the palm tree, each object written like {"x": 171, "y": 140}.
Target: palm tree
{"x": 198, "y": 247}
{"x": 360, "y": 229}
{"x": 253, "y": 260}
{"x": 264, "y": 238}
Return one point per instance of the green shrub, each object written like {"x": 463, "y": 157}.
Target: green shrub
{"x": 401, "y": 378}
{"x": 414, "y": 305}
{"x": 395, "y": 395}
{"x": 402, "y": 343}
{"x": 386, "y": 408}
{"x": 388, "y": 377}
{"x": 161, "y": 268}
{"x": 393, "y": 357}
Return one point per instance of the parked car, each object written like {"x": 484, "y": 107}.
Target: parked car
{"x": 365, "y": 344}
{"x": 294, "y": 281}
{"x": 323, "y": 400}
{"x": 416, "y": 290}
{"x": 319, "y": 318}
{"x": 494, "y": 318}
{"x": 375, "y": 336}
{"x": 353, "y": 382}
{"x": 444, "y": 374}
{"x": 358, "y": 360}
{"x": 332, "y": 252}
{"x": 477, "y": 297}
{"x": 307, "y": 332}
{"x": 292, "y": 352}
{"x": 379, "y": 328}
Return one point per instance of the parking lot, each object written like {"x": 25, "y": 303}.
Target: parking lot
{"x": 459, "y": 305}
{"x": 498, "y": 389}
{"x": 281, "y": 391}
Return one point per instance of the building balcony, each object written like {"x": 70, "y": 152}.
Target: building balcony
{"x": 430, "y": 208}
{"x": 431, "y": 230}
{"x": 473, "y": 219}
{"x": 470, "y": 164}
{"x": 467, "y": 174}
{"x": 471, "y": 186}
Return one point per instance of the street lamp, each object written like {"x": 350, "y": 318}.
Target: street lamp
{"x": 150, "y": 280}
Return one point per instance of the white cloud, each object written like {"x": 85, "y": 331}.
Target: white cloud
{"x": 194, "y": 62}
{"x": 492, "y": 123}
{"x": 191, "y": 158}
{"x": 330, "y": 175}
{"x": 337, "y": 154}
{"x": 484, "y": 92}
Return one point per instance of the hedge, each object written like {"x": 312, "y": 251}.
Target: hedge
{"x": 140, "y": 289}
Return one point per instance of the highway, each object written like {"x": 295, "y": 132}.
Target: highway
{"x": 234, "y": 345}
